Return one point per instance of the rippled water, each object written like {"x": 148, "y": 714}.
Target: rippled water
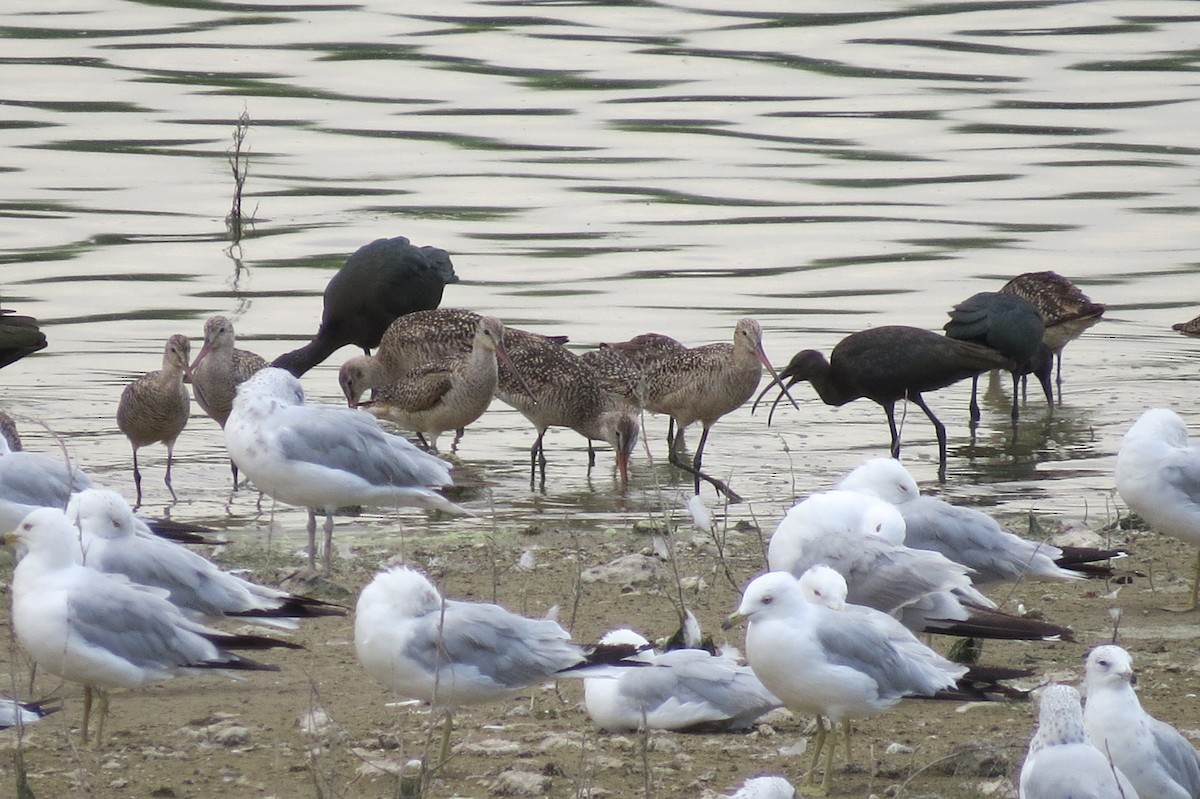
{"x": 600, "y": 170}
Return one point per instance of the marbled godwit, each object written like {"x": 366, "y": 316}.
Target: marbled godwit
{"x": 822, "y": 662}
{"x": 965, "y": 535}
{"x": 1066, "y": 311}
{"x": 567, "y": 394}
{"x": 647, "y": 348}
{"x": 419, "y": 338}
{"x": 1158, "y": 477}
{"x": 702, "y": 385}
{"x": 451, "y": 653}
{"x": 887, "y": 364}
{"x": 617, "y": 374}
{"x": 619, "y": 365}
{"x": 1012, "y": 326}
{"x": 447, "y": 394}
{"x": 8, "y": 431}
{"x": 99, "y": 630}
{"x": 1188, "y": 328}
{"x": 155, "y": 407}
{"x": 323, "y": 457}
{"x": 381, "y": 281}
{"x": 218, "y": 370}
{"x": 19, "y": 336}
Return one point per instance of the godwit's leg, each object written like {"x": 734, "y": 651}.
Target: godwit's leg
{"x": 974, "y": 401}
{"x": 167, "y": 478}
{"x": 137, "y": 480}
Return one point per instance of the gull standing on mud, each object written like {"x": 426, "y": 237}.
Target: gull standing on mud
{"x": 1158, "y": 476}
{"x": 323, "y": 457}
{"x": 102, "y": 631}
{"x": 110, "y": 542}
{"x": 822, "y": 662}
{"x": 156, "y": 406}
{"x": 451, "y": 653}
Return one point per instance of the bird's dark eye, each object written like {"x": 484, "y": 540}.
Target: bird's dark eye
{"x": 767, "y": 599}
{"x": 1103, "y": 663}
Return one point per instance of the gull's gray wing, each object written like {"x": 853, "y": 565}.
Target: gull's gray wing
{"x": 1178, "y": 755}
{"x": 848, "y": 641}
{"x": 693, "y": 687}
{"x": 972, "y": 538}
{"x": 486, "y": 642}
{"x": 138, "y": 626}
{"x": 27, "y": 478}
{"x": 352, "y": 441}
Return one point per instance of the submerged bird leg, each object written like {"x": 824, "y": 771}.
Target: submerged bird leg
{"x": 537, "y": 460}
{"x": 890, "y": 409}
{"x": 137, "y": 480}
{"x": 694, "y": 467}
{"x": 233, "y": 468}
{"x": 167, "y": 478}
{"x": 591, "y": 455}
{"x": 939, "y": 429}
{"x": 974, "y": 401}
{"x": 1016, "y": 411}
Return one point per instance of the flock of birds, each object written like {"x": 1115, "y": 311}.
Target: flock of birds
{"x": 109, "y": 600}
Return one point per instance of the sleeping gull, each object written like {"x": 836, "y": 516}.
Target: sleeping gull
{"x": 1158, "y": 476}
{"x": 1062, "y": 763}
{"x": 825, "y": 663}
{"x": 102, "y": 631}
{"x": 688, "y": 690}
{"x": 451, "y": 653}
{"x": 964, "y": 535}
{"x": 1155, "y": 756}
{"x": 862, "y": 538}
{"x": 112, "y": 544}
{"x": 324, "y": 457}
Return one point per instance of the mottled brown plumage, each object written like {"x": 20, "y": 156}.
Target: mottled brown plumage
{"x": 1189, "y": 328}
{"x": 702, "y": 385}
{"x": 218, "y": 370}
{"x": 1065, "y": 310}
{"x": 155, "y": 407}
{"x": 618, "y": 375}
{"x": 447, "y": 394}
{"x": 647, "y": 348}
{"x": 887, "y": 364}
{"x": 8, "y": 429}
{"x": 568, "y": 394}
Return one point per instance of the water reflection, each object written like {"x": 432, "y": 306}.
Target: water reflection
{"x": 599, "y": 171}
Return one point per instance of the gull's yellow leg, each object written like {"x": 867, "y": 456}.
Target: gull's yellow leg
{"x": 818, "y": 744}
{"x": 846, "y": 736}
{"x": 102, "y": 714}
{"x": 87, "y": 714}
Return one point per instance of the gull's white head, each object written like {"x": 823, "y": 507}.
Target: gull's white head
{"x": 1159, "y": 424}
{"x": 1108, "y": 665}
{"x": 48, "y": 535}
{"x": 1060, "y": 718}
{"x": 770, "y": 595}
{"x": 882, "y": 478}
{"x": 824, "y": 585}
{"x": 274, "y": 384}
{"x": 102, "y": 513}
{"x": 403, "y": 592}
